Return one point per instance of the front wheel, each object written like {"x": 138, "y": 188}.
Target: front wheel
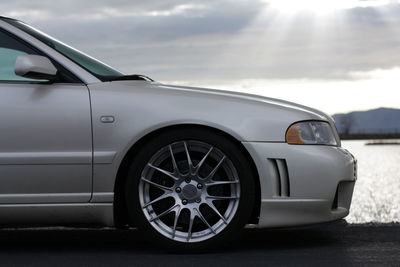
{"x": 190, "y": 189}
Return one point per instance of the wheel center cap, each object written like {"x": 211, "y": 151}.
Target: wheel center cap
{"x": 190, "y": 192}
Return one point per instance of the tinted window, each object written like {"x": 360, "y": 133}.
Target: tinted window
{"x": 94, "y": 66}
{"x": 10, "y": 49}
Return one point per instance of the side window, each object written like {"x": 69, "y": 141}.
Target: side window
{"x": 10, "y": 49}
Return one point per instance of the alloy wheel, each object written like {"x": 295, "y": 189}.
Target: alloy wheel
{"x": 189, "y": 191}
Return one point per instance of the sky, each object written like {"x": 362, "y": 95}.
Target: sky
{"x": 337, "y": 56}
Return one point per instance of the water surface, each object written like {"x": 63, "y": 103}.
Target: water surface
{"x": 377, "y": 191}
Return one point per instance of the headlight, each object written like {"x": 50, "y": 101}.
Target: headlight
{"x": 311, "y": 132}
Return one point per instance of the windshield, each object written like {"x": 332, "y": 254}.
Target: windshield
{"x": 94, "y": 66}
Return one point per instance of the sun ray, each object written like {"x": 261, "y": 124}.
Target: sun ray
{"x": 312, "y": 35}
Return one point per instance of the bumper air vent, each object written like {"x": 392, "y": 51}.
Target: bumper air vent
{"x": 343, "y": 195}
{"x": 335, "y": 203}
{"x": 280, "y": 177}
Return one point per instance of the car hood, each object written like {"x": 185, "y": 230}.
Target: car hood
{"x": 252, "y": 97}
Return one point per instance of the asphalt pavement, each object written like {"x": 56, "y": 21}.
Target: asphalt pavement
{"x": 332, "y": 245}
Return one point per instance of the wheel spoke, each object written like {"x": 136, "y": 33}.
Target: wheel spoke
{"x": 222, "y": 197}
{"x": 156, "y": 185}
{"x": 177, "y": 213}
{"x": 164, "y": 213}
{"x": 189, "y": 159}
{"x": 169, "y": 174}
{"x": 212, "y": 173}
{"x": 175, "y": 166}
{"x": 211, "y": 205}
{"x": 164, "y": 196}
{"x": 203, "y": 159}
{"x": 192, "y": 216}
{"x": 204, "y": 220}
{"x": 221, "y": 183}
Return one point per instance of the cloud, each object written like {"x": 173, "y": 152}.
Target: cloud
{"x": 220, "y": 39}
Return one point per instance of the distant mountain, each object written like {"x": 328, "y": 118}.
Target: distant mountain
{"x": 376, "y": 121}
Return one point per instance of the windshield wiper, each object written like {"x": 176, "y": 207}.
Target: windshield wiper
{"x": 131, "y": 77}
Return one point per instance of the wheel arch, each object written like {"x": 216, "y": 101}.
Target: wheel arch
{"x": 120, "y": 211}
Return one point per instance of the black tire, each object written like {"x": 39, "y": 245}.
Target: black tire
{"x": 230, "y": 149}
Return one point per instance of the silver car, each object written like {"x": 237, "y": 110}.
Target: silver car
{"x": 82, "y": 143}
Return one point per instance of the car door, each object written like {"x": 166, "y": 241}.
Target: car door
{"x": 45, "y": 134}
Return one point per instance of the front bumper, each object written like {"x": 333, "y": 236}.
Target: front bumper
{"x": 303, "y": 184}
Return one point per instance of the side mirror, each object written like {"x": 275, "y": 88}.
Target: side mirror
{"x": 35, "y": 67}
